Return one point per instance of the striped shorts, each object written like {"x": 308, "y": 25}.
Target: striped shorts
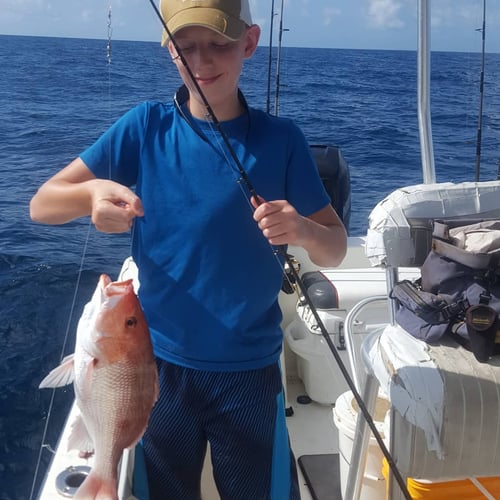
{"x": 241, "y": 414}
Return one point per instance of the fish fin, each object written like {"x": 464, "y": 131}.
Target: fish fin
{"x": 97, "y": 487}
{"x": 61, "y": 375}
{"x": 79, "y": 438}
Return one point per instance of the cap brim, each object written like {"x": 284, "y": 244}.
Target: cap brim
{"x": 213, "y": 19}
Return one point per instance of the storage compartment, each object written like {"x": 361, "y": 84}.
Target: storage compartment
{"x": 316, "y": 366}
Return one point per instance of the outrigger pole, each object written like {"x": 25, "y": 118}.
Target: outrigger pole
{"x": 278, "y": 64}
{"x": 270, "y": 60}
{"x": 281, "y": 250}
{"x": 481, "y": 95}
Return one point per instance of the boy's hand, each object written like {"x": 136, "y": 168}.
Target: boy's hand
{"x": 279, "y": 222}
{"x": 113, "y": 206}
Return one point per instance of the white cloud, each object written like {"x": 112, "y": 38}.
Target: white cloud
{"x": 86, "y": 15}
{"x": 12, "y": 4}
{"x": 329, "y": 14}
{"x": 22, "y": 5}
{"x": 447, "y": 13}
{"x": 385, "y": 13}
{"x": 21, "y": 14}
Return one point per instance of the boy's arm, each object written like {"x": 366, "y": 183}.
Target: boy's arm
{"x": 322, "y": 234}
{"x": 327, "y": 242}
{"x": 75, "y": 192}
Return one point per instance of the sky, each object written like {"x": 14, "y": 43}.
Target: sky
{"x": 357, "y": 24}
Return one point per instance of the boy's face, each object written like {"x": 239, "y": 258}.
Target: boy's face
{"x": 215, "y": 61}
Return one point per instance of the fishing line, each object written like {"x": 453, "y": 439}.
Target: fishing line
{"x": 110, "y": 113}
{"x": 45, "y": 445}
{"x": 282, "y": 250}
{"x": 108, "y": 61}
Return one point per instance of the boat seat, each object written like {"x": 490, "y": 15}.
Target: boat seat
{"x": 400, "y": 226}
{"x": 444, "y": 404}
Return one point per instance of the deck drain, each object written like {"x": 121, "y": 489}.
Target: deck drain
{"x": 70, "y": 479}
{"x": 304, "y": 399}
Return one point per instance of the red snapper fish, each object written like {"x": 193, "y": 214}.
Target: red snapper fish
{"x": 115, "y": 381}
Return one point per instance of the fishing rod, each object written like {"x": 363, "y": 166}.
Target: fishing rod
{"x": 281, "y": 250}
{"x": 270, "y": 60}
{"x": 278, "y": 63}
{"x": 481, "y": 95}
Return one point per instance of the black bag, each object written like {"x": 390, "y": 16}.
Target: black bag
{"x": 458, "y": 294}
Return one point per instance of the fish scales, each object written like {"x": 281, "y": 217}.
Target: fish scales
{"x": 115, "y": 381}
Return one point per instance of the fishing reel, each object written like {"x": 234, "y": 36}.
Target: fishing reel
{"x": 289, "y": 285}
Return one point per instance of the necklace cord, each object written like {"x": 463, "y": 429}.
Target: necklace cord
{"x": 209, "y": 109}
{"x": 287, "y": 258}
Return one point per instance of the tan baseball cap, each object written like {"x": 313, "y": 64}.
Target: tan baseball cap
{"x": 227, "y": 17}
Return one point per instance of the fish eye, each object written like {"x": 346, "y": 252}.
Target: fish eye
{"x": 132, "y": 321}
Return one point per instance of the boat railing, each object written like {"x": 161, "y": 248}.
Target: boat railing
{"x": 353, "y": 353}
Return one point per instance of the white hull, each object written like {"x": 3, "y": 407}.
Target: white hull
{"x": 442, "y": 423}
{"x": 422, "y": 383}
{"x": 311, "y": 428}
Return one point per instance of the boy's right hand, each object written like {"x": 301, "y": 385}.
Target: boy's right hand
{"x": 75, "y": 192}
{"x": 113, "y": 206}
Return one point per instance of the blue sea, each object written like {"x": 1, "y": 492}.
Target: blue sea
{"x": 56, "y": 97}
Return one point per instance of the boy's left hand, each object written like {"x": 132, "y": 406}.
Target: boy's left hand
{"x": 279, "y": 222}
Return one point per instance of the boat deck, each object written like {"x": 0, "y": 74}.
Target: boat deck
{"x": 311, "y": 428}
{"x": 312, "y": 432}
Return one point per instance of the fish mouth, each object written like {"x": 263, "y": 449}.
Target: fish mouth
{"x": 109, "y": 288}
{"x": 100, "y": 291}
{"x": 104, "y": 281}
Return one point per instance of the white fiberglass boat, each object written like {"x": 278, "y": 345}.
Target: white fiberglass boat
{"x": 436, "y": 408}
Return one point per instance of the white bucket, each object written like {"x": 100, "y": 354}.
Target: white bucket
{"x": 344, "y": 416}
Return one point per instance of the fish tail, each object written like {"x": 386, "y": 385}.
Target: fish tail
{"x": 97, "y": 488}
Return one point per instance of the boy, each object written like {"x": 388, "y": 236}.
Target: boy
{"x": 196, "y": 234}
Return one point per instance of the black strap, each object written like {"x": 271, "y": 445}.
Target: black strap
{"x": 432, "y": 308}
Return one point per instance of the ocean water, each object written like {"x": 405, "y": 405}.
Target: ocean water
{"x": 58, "y": 95}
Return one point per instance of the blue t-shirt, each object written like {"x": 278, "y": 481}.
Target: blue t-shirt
{"x": 209, "y": 279}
